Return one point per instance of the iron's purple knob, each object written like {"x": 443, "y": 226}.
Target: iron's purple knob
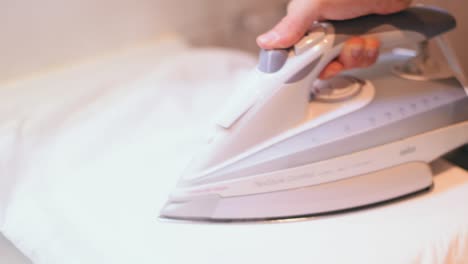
{"x": 272, "y": 61}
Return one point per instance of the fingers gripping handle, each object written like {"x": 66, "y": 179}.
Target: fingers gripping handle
{"x": 411, "y": 25}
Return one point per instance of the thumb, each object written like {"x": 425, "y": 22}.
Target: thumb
{"x": 301, "y": 15}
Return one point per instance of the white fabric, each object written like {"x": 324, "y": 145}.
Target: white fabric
{"x": 89, "y": 155}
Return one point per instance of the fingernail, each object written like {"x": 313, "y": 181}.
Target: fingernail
{"x": 356, "y": 52}
{"x": 268, "y": 38}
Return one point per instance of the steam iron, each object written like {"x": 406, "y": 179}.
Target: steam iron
{"x": 288, "y": 145}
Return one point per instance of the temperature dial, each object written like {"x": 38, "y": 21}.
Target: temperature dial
{"x": 337, "y": 89}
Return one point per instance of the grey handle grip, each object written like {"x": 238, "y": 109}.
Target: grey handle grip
{"x": 428, "y": 21}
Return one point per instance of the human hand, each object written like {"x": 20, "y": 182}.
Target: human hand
{"x": 357, "y": 52}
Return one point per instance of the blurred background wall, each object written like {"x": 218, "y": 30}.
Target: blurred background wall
{"x": 39, "y": 34}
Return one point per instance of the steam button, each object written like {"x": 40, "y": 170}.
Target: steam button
{"x": 272, "y": 61}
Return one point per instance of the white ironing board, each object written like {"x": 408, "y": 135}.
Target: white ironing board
{"x": 94, "y": 156}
